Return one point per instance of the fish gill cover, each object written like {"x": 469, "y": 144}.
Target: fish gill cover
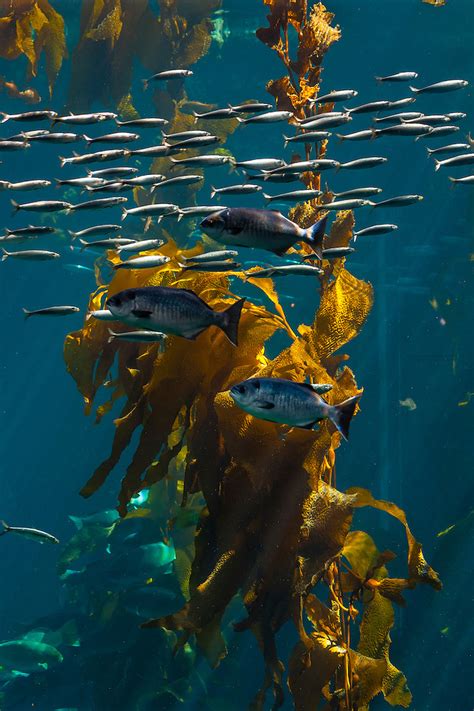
{"x": 273, "y": 523}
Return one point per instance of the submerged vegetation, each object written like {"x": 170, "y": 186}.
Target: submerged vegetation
{"x": 238, "y": 506}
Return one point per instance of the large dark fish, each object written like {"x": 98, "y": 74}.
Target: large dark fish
{"x": 179, "y": 312}
{"x": 261, "y": 229}
{"x": 294, "y": 404}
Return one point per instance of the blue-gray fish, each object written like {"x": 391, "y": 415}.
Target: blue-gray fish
{"x": 142, "y": 245}
{"x": 467, "y": 180}
{"x": 358, "y": 192}
{"x": 42, "y": 206}
{"x": 151, "y": 122}
{"x": 217, "y": 266}
{"x": 95, "y": 230}
{"x": 261, "y": 229}
{"x": 183, "y": 135}
{"x": 375, "y": 230}
{"x": 294, "y": 196}
{"x": 36, "y": 230}
{"x": 441, "y": 87}
{"x": 464, "y": 159}
{"x": 369, "y": 162}
{"x": 137, "y": 336}
{"x": 211, "y": 256}
{"x": 95, "y": 157}
{"x": 251, "y": 107}
{"x": 167, "y": 75}
{"x": 294, "y": 404}
{"x": 334, "y": 96}
{"x": 35, "y": 255}
{"x": 452, "y": 148}
{"x": 236, "y": 189}
{"x": 178, "y": 312}
{"x": 29, "y": 185}
{"x": 118, "y": 171}
{"x": 57, "y": 137}
{"x": 398, "y": 201}
{"x": 286, "y": 270}
{"x": 52, "y": 311}
{"x": 119, "y": 137}
{"x": 195, "y": 142}
{"x": 98, "y": 203}
{"x": 13, "y": 145}
{"x": 306, "y": 137}
{"x": 85, "y": 119}
{"x": 259, "y": 163}
{"x": 267, "y": 117}
{"x": 399, "y": 76}
{"x": 31, "y": 533}
{"x": 439, "y": 131}
{"x": 150, "y": 261}
{"x": 40, "y": 115}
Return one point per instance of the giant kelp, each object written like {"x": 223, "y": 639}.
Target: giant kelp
{"x": 31, "y": 28}
{"x": 271, "y": 524}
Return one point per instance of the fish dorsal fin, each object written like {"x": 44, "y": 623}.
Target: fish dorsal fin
{"x": 34, "y": 636}
{"x": 318, "y": 388}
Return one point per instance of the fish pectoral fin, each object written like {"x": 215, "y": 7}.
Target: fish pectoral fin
{"x": 141, "y": 313}
{"x": 266, "y": 405}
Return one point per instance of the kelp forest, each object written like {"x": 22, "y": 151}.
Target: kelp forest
{"x": 253, "y": 529}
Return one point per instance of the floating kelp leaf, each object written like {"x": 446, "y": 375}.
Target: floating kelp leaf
{"x": 418, "y": 568}
{"x": 377, "y": 621}
{"x": 196, "y": 43}
{"x": 436, "y": 3}
{"x": 310, "y": 673}
{"x": 51, "y": 38}
{"x": 345, "y": 305}
{"x": 341, "y": 231}
{"x": 315, "y": 38}
{"x": 106, "y": 22}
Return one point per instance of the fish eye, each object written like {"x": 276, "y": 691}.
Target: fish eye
{"x": 241, "y": 389}
{"x": 256, "y": 384}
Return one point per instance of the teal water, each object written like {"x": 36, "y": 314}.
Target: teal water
{"x": 420, "y": 458}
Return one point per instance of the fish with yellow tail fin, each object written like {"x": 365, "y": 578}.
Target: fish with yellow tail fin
{"x": 294, "y": 404}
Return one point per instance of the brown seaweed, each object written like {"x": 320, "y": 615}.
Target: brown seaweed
{"x": 253, "y": 508}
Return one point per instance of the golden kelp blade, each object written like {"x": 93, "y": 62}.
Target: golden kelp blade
{"x": 29, "y": 28}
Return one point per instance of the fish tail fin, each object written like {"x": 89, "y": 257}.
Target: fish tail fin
{"x": 414, "y": 90}
{"x": 470, "y": 139}
{"x": 340, "y": 137}
{"x": 83, "y": 243}
{"x": 213, "y": 191}
{"x": 5, "y": 528}
{"x": 314, "y": 236}
{"x": 341, "y": 415}
{"x": 267, "y": 198}
{"x": 88, "y": 139}
{"x": 111, "y": 336}
{"x": 26, "y": 313}
{"x": 180, "y": 215}
{"x": 145, "y": 84}
{"x": 232, "y": 165}
{"x": 374, "y": 133}
{"x": 241, "y": 120}
{"x": 378, "y": 78}
{"x": 229, "y": 321}
{"x": 453, "y": 181}
{"x": 286, "y": 141}
{"x": 4, "y": 117}
{"x": 15, "y": 206}
{"x": 62, "y": 161}
{"x": 124, "y": 213}
{"x": 438, "y": 164}
{"x": 430, "y": 151}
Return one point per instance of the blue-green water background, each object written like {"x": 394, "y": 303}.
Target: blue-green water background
{"x": 421, "y": 459}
